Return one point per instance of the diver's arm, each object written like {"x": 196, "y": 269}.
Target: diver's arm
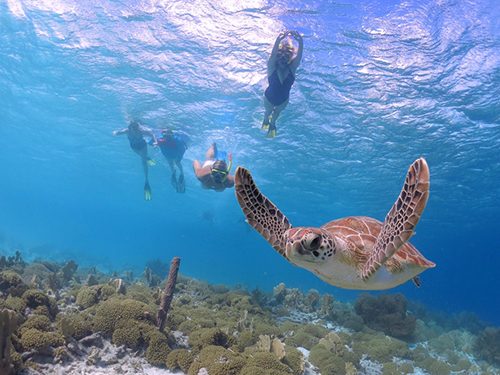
{"x": 119, "y": 132}
{"x": 296, "y": 61}
{"x": 271, "y": 63}
{"x": 230, "y": 181}
{"x": 150, "y": 134}
{"x": 202, "y": 174}
{"x": 197, "y": 169}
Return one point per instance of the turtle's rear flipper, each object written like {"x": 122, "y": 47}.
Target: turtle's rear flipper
{"x": 261, "y": 213}
{"x": 417, "y": 281}
{"x": 402, "y": 219}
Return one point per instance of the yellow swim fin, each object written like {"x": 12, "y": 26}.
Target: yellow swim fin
{"x": 271, "y": 133}
{"x": 151, "y": 162}
{"x": 265, "y": 125}
{"x": 147, "y": 192}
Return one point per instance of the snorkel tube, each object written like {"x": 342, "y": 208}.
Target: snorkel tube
{"x": 230, "y": 163}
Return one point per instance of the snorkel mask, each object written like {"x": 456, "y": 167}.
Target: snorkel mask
{"x": 167, "y": 133}
{"x": 134, "y": 125}
{"x": 220, "y": 175}
{"x": 285, "y": 51}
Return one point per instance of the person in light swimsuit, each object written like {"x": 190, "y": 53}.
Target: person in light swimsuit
{"x": 214, "y": 173}
{"x": 135, "y": 133}
{"x": 281, "y": 69}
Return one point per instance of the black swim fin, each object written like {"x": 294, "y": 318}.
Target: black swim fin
{"x": 181, "y": 185}
{"x": 147, "y": 192}
{"x": 174, "y": 181}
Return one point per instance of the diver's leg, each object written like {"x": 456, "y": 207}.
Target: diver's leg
{"x": 173, "y": 179}
{"x": 211, "y": 153}
{"x": 171, "y": 163}
{"x": 143, "y": 153}
{"x": 179, "y": 165}
{"x": 181, "y": 185}
{"x": 277, "y": 112}
{"x": 269, "y": 107}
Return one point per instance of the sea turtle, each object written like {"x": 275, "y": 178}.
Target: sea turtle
{"x": 353, "y": 252}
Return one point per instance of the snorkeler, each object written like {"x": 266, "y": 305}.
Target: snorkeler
{"x": 135, "y": 132}
{"x": 173, "y": 148}
{"x": 214, "y": 173}
{"x": 281, "y": 69}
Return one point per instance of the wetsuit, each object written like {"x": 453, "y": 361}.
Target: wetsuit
{"x": 277, "y": 93}
{"x": 173, "y": 148}
{"x": 137, "y": 143}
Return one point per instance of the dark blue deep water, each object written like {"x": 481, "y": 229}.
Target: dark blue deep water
{"x": 381, "y": 84}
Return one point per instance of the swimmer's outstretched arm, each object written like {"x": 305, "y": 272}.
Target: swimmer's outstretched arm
{"x": 119, "y": 132}
{"x": 296, "y": 61}
{"x": 271, "y": 64}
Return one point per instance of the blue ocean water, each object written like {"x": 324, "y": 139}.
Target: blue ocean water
{"x": 381, "y": 84}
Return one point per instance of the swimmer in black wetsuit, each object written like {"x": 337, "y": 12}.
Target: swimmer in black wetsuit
{"x": 135, "y": 133}
{"x": 281, "y": 69}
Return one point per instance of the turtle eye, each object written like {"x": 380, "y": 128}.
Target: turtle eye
{"x": 312, "y": 242}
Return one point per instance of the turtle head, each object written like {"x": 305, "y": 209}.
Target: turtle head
{"x": 307, "y": 246}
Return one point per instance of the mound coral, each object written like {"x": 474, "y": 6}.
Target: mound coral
{"x": 130, "y": 335}
{"x": 9, "y": 279}
{"x": 326, "y": 361}
{"x": 86, "y": 297}
{"x": 110, "y": 312}
{"x": 210, "y": 337}
{"x": 180, "y": 359}
{"x": 40, "y": 322}
{"x": 268, "y": 361}
{"x": 487, "y": 345}
{"x": 386, "y": 313}
{"x": 380, "y": 348}
{"x": 34, "y": 339}
{"x": 217, "y": 361}
{"x": 295, "y": 360}
{"x": 158, "y": 349}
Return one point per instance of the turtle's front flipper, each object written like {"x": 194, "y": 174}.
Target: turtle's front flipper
{"x": 402, "y": 219}
{"x": 261, "y": 213}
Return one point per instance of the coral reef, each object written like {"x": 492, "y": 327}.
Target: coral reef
{"x": 487, "y": 345}
{"x": 8, "y": 322}
{"x": 108, "y": 321}
{"x": 386, "y": 313}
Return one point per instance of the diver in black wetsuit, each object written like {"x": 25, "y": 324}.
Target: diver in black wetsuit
{"x": 281, "y": 69}
{"x": 135, "y": 133}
